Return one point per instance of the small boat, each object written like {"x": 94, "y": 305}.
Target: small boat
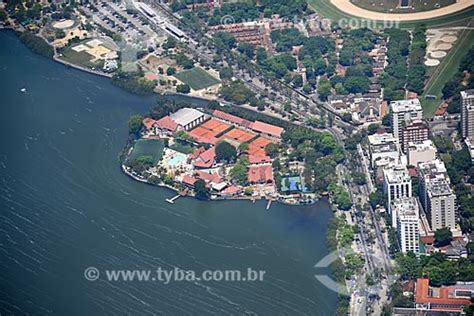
{"x": 23, "y": 90}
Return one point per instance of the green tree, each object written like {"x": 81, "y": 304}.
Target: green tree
{"x": 226, "y": 73}
{"x": 248, "y": 191}
{"x": 225, "y": 151}
{"x": 239, "y": 172}
{"x": 201, "y": 190}
{"x": 170, "y": 71}
{"x": 324, "y": 89}
{"x": 183, "y": 88}
{"x": 443, "y": 237}
{"x": 135, "y": 123}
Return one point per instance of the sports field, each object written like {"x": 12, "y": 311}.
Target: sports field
{"x": 148, "y": 147}
{"x": 257, "y": 147}
{"x": 78, "y": 58}
{"x": 346, "y": 10}
{"x": 393, "y": 6}
{"x": 238, "y": 136}
{"x": 197, "y": 78}
{"x": 445, "y": 71}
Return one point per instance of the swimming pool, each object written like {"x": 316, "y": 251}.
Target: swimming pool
{"x": 177, "y": 159}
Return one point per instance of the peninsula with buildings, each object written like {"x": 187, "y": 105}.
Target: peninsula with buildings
{"x": 213, "y": 154}
{"x": 379, "y": 119}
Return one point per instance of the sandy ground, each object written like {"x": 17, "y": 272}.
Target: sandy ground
{"x": 349, "y": 8}
{"x": 64, "y": 24}
{"x": 439, "y": 42}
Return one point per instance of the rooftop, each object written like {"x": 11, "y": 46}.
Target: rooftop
{"x": 167, "y": 123}
{"x": 444, "y": 298}
{"x": 439, "y": 187}
{"x": 469, "y": 94}
{"x": 380, "y": 143}
{"x": 407, "y": 207}
{"x": 431, "y": 170}
{"x": 406, "y": 105}
{"x": 421, "y": 146}
{"x": 231, "y": 118}
{"x": 396, "y": 174}
{"x": 185, "y": 116}
{"x": 260, "y": 174}
{"x": 206, "y": 159}
{"x": 267, "y": 128}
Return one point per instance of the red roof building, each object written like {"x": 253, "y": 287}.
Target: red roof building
{"x": 189, "y": 180}
{"x": 253, "y": 160}
{"x": 231, "y": 118}
{"x": 206, "y": 159}
{"x": 449, "y": 298}
{"x": 166, "y": 123}
{"x": 208, "y": 177}
{"x": 149, "y": 123}
{"x": 264, "y": 128}
{"x": 260, "y": 174}
{"x": 231, "y": 190}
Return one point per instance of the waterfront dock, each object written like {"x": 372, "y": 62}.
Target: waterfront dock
{"x": 173, "y": 199}
{"x": 269, "y": 204}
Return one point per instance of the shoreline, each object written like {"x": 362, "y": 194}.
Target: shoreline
{"x": 236, "y": 198}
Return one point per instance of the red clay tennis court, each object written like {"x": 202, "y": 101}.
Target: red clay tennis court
{"x": 257, "y": 147}
{"x": 238, "y": 135}
{"x": 215, "y": 126}
{"x": 199, "y": 132}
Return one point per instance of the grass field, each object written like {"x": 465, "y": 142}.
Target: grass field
{"x": 445, "y": 71}
{"x": 151, "y": 147}
{"x": 329, "y": 11}
{"x": 392, "y": 6}
{"x": 197, "y": 78}
{"x": 78, "y": 58}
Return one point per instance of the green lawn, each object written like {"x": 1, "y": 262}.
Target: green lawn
{"x": 182, "y": 147}
{"x": 445, "y": 71}
{"x": 197, "y": 78}
{"x": 329, "y": 11}
{"x": 78, "y": 58}
{"x": 151, "y": 147}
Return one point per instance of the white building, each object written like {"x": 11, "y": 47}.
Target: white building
{"x": 436, "y": 196}
{"x": 421, "y": 152}
{"x": 383, "y": 147}
{"x": 407, "y": 217}
{"x": 188, "y": 118}
{"x": 404, "y": 113}
{"x": 467, "y": 114}
{"x": 396, "y": 185}
{"x": 467, "y": 120}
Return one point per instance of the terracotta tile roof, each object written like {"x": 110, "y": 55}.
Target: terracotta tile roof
{"x": 167, "y": 123}
{"x": 267, "y": 128}
{"x": 441, "y": 302}
{"x": 189, "y": 180}
{"x": 228, "y": 117}
{"x": 260, "y": 174}
{"x": 259, "y": 159}
{"x": 206, "y": 159}
{"x": 148, "y": 123}
{"x": 232, "y": 189}
{"x": 209, "y": 177}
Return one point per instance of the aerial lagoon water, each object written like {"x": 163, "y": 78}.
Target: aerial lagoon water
{"x": 66, "y": 205}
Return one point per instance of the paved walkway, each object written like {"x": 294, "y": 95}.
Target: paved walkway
{"x": 349, "y": 8}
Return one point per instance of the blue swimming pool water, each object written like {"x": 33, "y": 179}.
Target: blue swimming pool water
{"x": 176, "y": 159}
